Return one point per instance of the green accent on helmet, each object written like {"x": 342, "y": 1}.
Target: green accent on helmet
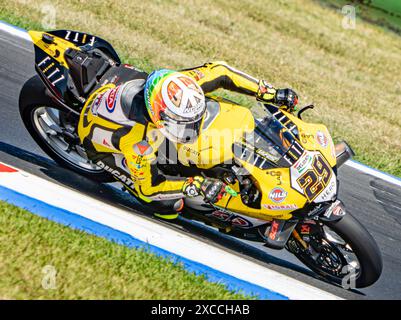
{"x": 153, "y": 85}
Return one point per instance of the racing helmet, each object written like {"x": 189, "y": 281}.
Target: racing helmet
{"x": 176, "y": 104}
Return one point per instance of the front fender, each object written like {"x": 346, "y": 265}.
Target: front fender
{"x": 335, "y": 212}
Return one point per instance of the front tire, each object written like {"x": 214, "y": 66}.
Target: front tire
{"x": 41, "y": 116}
{"x": 339, "y": 244}
{"x": 364, "y": 247}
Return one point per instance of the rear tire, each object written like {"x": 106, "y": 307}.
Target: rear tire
{"x": 32, "y": 97}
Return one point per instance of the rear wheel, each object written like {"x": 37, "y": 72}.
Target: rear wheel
{"x": 341, "y": 251}
{"x": 55, "y": 131}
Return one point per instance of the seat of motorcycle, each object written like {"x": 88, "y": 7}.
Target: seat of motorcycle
{"x": 86, "y": 67}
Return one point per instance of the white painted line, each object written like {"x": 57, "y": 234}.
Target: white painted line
{"x": 356, "y": 165}
{"x": 158, "y": 235}
{"x": 373, "y": 172}
{"x": 20, "y": 33}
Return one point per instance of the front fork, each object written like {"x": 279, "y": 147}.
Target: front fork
{"x": 304, "y": 230}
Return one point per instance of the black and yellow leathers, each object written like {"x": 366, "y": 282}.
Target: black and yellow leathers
{"x": 115, "y": 121}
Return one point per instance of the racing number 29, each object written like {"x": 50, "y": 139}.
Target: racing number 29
{"x": 315, "y": 179}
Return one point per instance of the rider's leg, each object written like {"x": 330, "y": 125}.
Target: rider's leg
{"x": 165, "y": 209}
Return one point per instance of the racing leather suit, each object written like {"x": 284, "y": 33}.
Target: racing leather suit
{"x": 116, "y": 129}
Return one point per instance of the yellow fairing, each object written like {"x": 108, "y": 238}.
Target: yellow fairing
{"x": 214, "y": 145}
{"x": 87, "y": 120}
{"x": 308, "y": 137}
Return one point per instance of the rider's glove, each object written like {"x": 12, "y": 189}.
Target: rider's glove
{"x": 212, "y": 190}
{"x": 266, "y": 92}
{"x": 286, "y": 97}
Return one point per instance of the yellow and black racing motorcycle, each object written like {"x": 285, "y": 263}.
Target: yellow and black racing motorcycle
{"x": 281, "y": 172}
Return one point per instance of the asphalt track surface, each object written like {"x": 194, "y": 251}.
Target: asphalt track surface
{"x": 374, "y": 202}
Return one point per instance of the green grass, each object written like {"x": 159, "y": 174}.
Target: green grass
{"x": 386, "y": 13}
{"x": 352, "y": 76}
{"x": 88, "y": 267}
{"x": 390, "y": 6}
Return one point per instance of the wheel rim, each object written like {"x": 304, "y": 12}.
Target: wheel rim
{"x": 329, "y": 255}
{"x": 49, "y": 125}
{"x": 350, "y": 262}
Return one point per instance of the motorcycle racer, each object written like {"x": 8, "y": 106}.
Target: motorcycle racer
{"x": 135, "y": 118}
{"x": 162, "y": 134}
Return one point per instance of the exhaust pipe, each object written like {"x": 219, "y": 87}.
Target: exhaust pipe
{"x": 343, "y": 153}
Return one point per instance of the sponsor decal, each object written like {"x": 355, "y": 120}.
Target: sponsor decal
{"x": 305, "y": 229}
{"x": 106, "y": 143}
{"x": 117, "y": 174}
{"x": 333, "y": 151}
{"x": 276, "y": 174}
{"x": 96, "y": 104}
{"x": 142, "y": 148}
{"x": 191, "y": 190}
{"x": 124, "y": 163}
{"x": 50, "y": 71}
{"x": 73, "y": 36}
{"x": 138, "y": 162}
{"x": 328, "y": 191}
{"x": 273, "y": 230}
{"x": 197, "y": 74}
{"x": 335, "y": 209}
{"x": 136, "y": 166}
{"x": 303, "y": 163}
{"x": 278, "y": 195}
{"x": 128, "y": 66}
{"x": 111, "y": 99}
{"x": 305, "y": 137}
{"x": 193, "y": 109}
{"x": 338, "y": 211}
{"x": 241, "y": 222}
{"x": 280, "y": 206}
{"x": 221, "y": 215}
{"x": 115, "y": 79}
{"x": 322, "y": 139}
{"x": 136, "y": 173}
{"x": 190, "y": 150}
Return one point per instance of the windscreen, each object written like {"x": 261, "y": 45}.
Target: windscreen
{"x": 268, "y": 143}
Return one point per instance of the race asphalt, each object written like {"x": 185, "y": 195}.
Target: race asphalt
{"x": 374, "y": 202}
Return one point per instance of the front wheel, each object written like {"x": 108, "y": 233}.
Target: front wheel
{"x": 341, "y": 251}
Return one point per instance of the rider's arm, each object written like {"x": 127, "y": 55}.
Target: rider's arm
{"x": 215, "y": 75}
{"x": 149, "y": 183}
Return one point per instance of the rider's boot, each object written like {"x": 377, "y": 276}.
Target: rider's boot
{"x": 173, "y": 213}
